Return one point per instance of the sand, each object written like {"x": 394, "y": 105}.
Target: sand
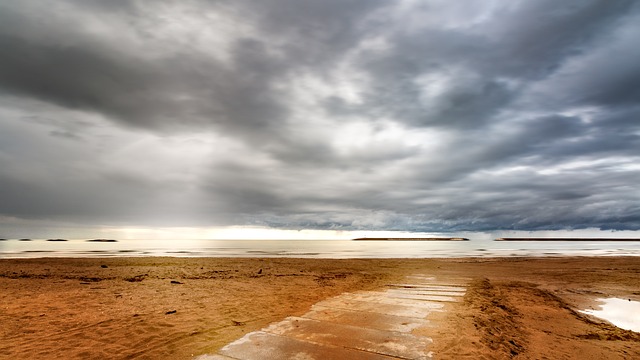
{"x": 177, "y": 308}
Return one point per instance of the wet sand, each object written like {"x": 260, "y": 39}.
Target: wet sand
{"x": 161, "y": 308}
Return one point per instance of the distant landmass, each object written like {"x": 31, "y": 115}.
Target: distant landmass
{"x": 413, "y": 239}
{"x": 102, "y": 240}
{"x": 57, "y": 240}
{"x": 566, "y": 239}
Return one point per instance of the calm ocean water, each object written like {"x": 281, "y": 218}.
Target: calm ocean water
{"x": 480, "y": 245}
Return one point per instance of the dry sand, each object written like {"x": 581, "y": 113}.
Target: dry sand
{"x": 176, "y": 308}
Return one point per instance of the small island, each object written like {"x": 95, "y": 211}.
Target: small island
{"x": 413, "y": 239}
{"x": 566, "y": 239}
{"x": 103, "y": 240}
{"x": 57, "y": 240}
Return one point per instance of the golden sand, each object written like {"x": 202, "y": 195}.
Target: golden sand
{"x": 176, "y": 308}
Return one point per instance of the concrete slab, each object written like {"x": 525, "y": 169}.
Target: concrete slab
{"x": 260, "y": 345}
{"x": 429, "y": 287}
{"x": 433, "y": 291}
{"x": 367, "y": 319}
{"x": 419, "y": 280}
{"x": 430, "y": 302}
{"x": 389, "y": 343}
{"x": 424, "y": 297}
{"x": 418, "y": 277}
{"x": 381, "y": 308}
{"x": 425, "y": 292}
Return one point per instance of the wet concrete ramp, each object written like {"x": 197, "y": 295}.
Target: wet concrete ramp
{"x": 359, "y": 325}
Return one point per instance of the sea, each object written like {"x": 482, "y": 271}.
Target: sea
{"x": 479, "y": 245}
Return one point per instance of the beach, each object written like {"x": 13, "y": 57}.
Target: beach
{"x": 178, "y": 308}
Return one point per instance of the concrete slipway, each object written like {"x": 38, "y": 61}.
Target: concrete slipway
{"x": 366, "y": 325}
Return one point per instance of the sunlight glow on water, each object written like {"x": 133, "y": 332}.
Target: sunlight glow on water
{"x": 337, "y": 249}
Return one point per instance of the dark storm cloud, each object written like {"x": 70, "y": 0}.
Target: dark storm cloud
{"x": 535, "y": 37}
{"x": 177, "y": 89}
{"x": 409, "y": 115}
{"x": 483, "y": 65}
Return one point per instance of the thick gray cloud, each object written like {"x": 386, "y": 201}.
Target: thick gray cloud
{"x": 407, "y": 115}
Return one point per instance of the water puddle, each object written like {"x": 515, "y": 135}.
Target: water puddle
{"x": 622, "y": 313}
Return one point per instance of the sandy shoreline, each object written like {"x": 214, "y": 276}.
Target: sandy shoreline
{"x": 158, "y": 308}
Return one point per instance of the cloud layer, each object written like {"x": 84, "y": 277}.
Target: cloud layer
{"x": 360, "y": 114}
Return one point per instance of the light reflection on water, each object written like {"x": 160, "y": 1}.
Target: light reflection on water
{"x": 477, "y": 247}
{"x": 622, "y": 313}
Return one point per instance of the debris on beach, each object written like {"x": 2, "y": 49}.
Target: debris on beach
{"x": 136, "y": 278}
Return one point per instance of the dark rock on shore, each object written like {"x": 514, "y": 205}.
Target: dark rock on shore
{"x": 566, "y": 239}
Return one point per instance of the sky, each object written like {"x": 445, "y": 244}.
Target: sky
{"x": 341, "y": 115}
